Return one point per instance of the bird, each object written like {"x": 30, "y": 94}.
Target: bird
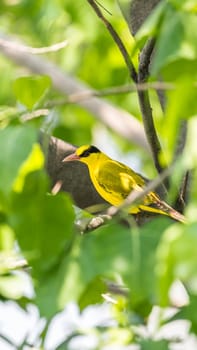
{"x": 114, "y": 181}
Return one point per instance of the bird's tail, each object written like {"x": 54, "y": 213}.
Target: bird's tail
{"x": 174, "y": 214}
{"x": 161, "y": 207}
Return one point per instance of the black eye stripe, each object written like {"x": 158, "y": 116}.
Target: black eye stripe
{"x": 85, "y": 153}
{"x": 91, "y": 149}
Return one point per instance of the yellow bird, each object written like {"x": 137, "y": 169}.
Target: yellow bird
{"x": 114, "y": 181}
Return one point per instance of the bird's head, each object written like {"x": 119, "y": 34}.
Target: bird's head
{"x": 85, "y": 154}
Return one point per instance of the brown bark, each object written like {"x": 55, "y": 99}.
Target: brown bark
{"x": 73, "y": 177}
{"x": 140, "y": 9}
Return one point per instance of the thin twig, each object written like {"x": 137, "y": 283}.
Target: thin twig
{"x": 117, "y": 40}
{"x": 150, "y": 128}
{"x": 117, "y": 90}
{"x": 145, "y": 57}
{"x": 57, "y": 187}
{"x": 104, "y": 8}
{"x": 34, "y": 114}
{"x": 184, "y": 190}
{"x": 146, "y": 107}
{"x": 117, "y": 289}
{"x": 184, "y": 186}
{"x": 33, "y": 50}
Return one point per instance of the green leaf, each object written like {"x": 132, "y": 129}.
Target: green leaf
{"x": 109, "y": 252}
{"x": 115, "y": 250}
{"x": 104, "y": 248}
{"x": 7, "y": 113}
{"x": 66, "y": 283}
{"x": 190, "y": 150}
{"x": 151, "y": 26}
{"x": 143, "y": 279}
{"x": 176, "y": 259}
{"x": 15, "y": 143}
{"x": 181, "y": 105}
{"x": 93, "y": 293}
{"x": 29, "y": 90}
{"x": 185, "y": 5}
{"x": 181, "y": 45}
{"x": 6, "y": 238}
{"x": 35, "y": 161}
{"x": 188, "y": 312}
{"x": 168, "y": 46}
{"x": 125, "y": 7}
{"x": 154, "y": 344}
{"x": 47, "y": 291}
{"x": 180, "y": 68}
{"x": 42, "y": 223}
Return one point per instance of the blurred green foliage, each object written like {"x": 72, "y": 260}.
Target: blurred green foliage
{"x": 39, "y": 226}
{"x": 90, "y": 55}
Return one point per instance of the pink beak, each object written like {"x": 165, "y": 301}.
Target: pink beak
{"x": 71, "y": 157}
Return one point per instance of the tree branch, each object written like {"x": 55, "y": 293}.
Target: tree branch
{"x": 117, "y": 119}
{"x": 145, "y": 106}
{"x": 34, "y": 50}
{"x": 139, "y": 11}
{"x": 72, "y": 177}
